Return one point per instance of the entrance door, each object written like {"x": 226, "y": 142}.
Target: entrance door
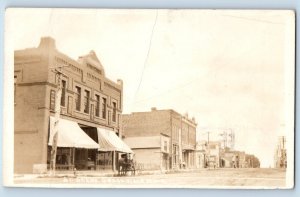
{"x": 81, "y": 157}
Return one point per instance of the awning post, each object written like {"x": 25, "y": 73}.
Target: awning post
{"x": 73, "y": 152}
{"x": 114, "y": 161}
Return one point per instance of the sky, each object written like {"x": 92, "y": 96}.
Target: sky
{"x": 228, "y": 69}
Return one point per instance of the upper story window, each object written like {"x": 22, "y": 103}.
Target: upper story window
{"x": 97, "y": 111}
{"x": 15, "y": 87}
{"x": 63, "y": 93}
{"x": 165, "y": 146}
{"x": 114, "y": 115}
{"x": 104, "y": 108}
{"x": 212, "y": 146}
{"x": 77, "y": 98}
{"x": 52, "y": 100}
{"x": 86, "y": 101}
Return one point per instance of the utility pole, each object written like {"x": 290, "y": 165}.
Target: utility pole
{"x": 224, "y": 135}
{"x": 208, "y": 150}
{"x": 58, "y": 75}
{"x": 232, "y": 139}
{"x": 208, "y": 137}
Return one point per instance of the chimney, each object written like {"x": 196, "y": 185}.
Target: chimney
{"x": 120, "y": 82}
{"x": 47, "y": 42}
{"x": 186, "y": 115}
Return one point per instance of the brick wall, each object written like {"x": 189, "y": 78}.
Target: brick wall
{"x": 31, "y": 127}
{"x": 146, "y": 123}
{"x": 34, "y": 81}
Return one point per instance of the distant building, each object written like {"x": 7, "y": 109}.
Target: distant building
{"x": 91, "y": 107}
{"x": 201, "y": 154}
{"x": 228, "y": 158}
{"x": 180, "y": 129}
{"x": 212, "y": 155}
{"x": 280, "y": 157}
{"x": 208, "y": 154}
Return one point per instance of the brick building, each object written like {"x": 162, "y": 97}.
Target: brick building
{"x": 91, "y": 107}
{"x": 180, "y": 129}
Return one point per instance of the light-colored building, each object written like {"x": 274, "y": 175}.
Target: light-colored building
{"x": 201, "y": 154}
{"x": 237, "y": 159}
{"x": 208, "y": 154}
{"x": 91, "y": 107}
{"x": 180, "y": 128}
{"x": 213, "y": 154}
{"x": 150, "y": 152}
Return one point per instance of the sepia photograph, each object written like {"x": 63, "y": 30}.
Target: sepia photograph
{"x": 149, "y": 98}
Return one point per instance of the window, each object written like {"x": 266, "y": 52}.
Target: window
{"x": 212, "y": 146}
{"x": 114, "y": 115}
{"x": 86, "y": 101}
{"x": 165, "y": 146}
{"x": 97, "y": 111}
{"x": 63, "y": 93}
{"x": 15, "y": 87}
{"x": 78, "y": 98}
{"x": 70, "y": 102}
{"x": 104, "y": 108}
{"x": 52, "y": 100}
{"x": 175, "y": 154}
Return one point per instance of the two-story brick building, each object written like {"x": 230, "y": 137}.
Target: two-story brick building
{"x": 178, "y": 130}
{"x": 91, "y": 107}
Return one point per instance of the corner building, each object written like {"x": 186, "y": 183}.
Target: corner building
{"x": 91, "y": 107}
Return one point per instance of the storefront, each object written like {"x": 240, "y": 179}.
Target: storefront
{"x": 77, "y": 149}
{"x": 73, "y": 145}
{"x": 110, "y": 149}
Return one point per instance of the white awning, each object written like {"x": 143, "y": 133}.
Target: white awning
{"x": 71, "y": 135}
{"x": 109, "y": 141}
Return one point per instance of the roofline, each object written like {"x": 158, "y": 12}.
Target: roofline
{"x": 164, "y": 110}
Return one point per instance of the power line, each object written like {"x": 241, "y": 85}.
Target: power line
{"x": 147, "y": 56}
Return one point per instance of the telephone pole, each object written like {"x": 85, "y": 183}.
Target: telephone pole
{"x": 58, "y": 92}
{"x": 208, "y": 137}
{"x": 208, "y": 150}
{"x": 224, "y": 135}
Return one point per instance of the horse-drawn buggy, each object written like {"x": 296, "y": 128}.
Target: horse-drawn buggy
{"x": 126, "y": 164}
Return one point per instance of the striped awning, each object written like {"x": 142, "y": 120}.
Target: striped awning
{"x": 109, "y": 141}
{"x": 71, "y": 135}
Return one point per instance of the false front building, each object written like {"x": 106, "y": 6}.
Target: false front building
{"x": 161, "y": 139}
{"x": 90, "y": 118}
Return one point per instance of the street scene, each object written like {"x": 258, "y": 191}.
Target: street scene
{"x": 205, "y": 178}
{"x": 152, "y": 98}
